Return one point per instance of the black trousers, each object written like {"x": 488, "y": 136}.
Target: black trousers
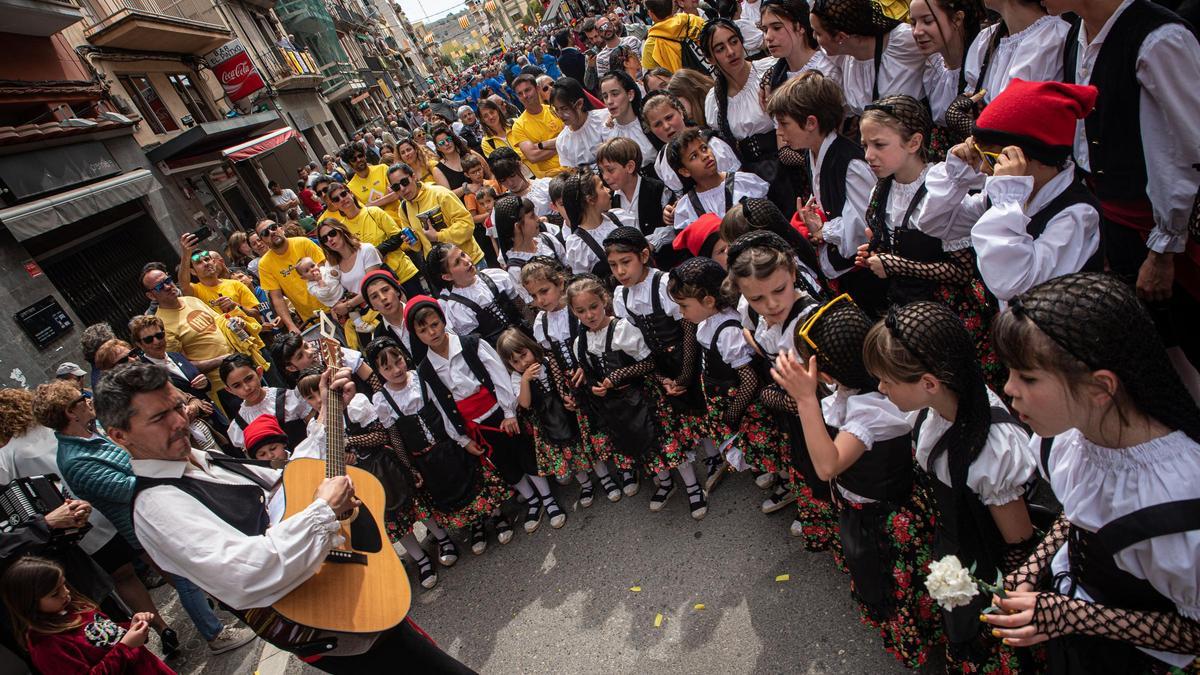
{"x": 513, "y": 455}
{"x": 402, "y": 649}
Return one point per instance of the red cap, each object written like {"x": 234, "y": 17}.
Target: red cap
{"x": 416, "y": 302}
{"x": 378, "y": 275}
{"x": 1039, "y": 117}
{"x": 264, "y": 429}
{"x": 696, "y": 235}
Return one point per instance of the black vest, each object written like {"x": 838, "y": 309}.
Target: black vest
{"x": 1115, "y": 154}
{"x": 832, "y": 181}
{"x": 500, "y": 314}
{"x": 244, "y": 507}
{"x": 718, "y": 374}
{"x": 296, "y": 430}
{"x": 649, "y": 206}
{"x": 626, "y": 412}
{"x": 414, "y": 352}
{"x": 1076, "y": 193}
{"x": 559, "y": 350}
{"x": 555, "y": 423}
{"x": 663, "y": 332}
{"x": 429, "y": 375}
{"x": 883, "y": 473}
{"x": 907, "y": 242}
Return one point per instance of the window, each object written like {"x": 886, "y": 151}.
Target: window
{"x": 191, "y": 97}
{"x": 153, "y": 109}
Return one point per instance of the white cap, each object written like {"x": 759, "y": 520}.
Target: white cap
{"x": 68, "y": 368}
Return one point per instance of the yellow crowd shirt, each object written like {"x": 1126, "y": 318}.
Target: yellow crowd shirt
{"x": 192, "y": 331}
{"x": 278, "y": 273}
{"x": 538, "y": 128}
{"x": 373, "y": 226}
{"x": 460, "y": 227}
{"x": 230, "y": 288}
{"x": 374, "y": 186}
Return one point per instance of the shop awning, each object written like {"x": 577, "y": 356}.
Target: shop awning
{"x": 27, "y": 221}
{"x": 210, "y": 137}
{"x": 258, "y": 146}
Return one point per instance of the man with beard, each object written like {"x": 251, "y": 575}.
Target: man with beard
{"x": 277, "y": 273}
{"x": 369, "y": 182}
{"x": 224, "y": 295}
{"x": 610, "y": 33}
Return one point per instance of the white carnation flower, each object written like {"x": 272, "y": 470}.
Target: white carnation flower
{"x": 950, "y": 584}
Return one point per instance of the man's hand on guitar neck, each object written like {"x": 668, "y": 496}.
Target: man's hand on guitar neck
{"x": 337, "y": 379}
{"x": 338, "y": 492}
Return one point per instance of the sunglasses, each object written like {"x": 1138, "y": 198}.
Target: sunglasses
{"x": 269, "y": 227}
{"x": 402, "y": 183}
{"x": 129, "y": 357}
{"x": 153, "y": 337}
{"x": 330, "y": 235}
{"x": 338, "y": 197}
{"x": 443, "y": 142}
{"x": 166, "y": 281}
{"x": 812, "y": 321}
{"x": 201, "y": 255}
{"x": 322, "y": 191}
{"x": 990, "y": 157}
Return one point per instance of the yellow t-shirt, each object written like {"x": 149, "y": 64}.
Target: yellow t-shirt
{"x": 231, "y": 288}
{"x": 373, "y": 225}
{"x": 374, "y": 186}
{"x": 542, "y": 127}
{"x": 460, "y": 227}
{"x": 192, "y": 331}
{"x": 278, "y": 273}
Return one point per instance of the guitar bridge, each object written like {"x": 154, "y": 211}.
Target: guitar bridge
{"x": 346, "y": 557}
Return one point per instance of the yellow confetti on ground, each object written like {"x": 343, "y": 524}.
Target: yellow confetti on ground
{"x": 783, "y": 577}
{"x": 636, "y": 589}
{"x": 658, "y": 619}
{"x": 698, "y": 605}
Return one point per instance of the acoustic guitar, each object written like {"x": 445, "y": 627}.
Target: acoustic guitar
{"x": 362, "y": 586}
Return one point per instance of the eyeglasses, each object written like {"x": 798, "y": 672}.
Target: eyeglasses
{"x": 990, "y": 157}
{"x": 402, "y": 183}
{"x": 153, "y": 337}
{"x": 82, "y": 397}
{"x": 330, "y": 235}
{"x": 812, "y": 320}
{"x": 166, "y": 281}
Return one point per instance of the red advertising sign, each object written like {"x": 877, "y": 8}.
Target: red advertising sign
{"x": 233, "y": 68}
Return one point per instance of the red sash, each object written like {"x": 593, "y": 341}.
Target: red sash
{"x": 472, "y": 407}
{"x": 1138, "y": 214}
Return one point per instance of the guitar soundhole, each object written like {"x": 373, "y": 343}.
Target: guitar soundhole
{"x": 364, "y": 536}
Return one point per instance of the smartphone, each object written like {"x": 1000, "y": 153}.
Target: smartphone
{"x": 202, "y": 233}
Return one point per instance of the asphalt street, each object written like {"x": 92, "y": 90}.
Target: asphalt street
{"x": 560, "y": 601}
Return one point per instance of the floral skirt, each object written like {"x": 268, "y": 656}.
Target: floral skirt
{"x": 887, "y": 550}
{"x": 675, "y": 434}
{"x": 764, "y": 444}
{"x": 976, "y": 311}
{"x": 559, "y": 459}
{"x": 686, "y": 425}
{"x": 818, "y": 521}
{"x": 492, "y": 494}
{"x": 403, "y": 522}
{"x": 595, "y": 442}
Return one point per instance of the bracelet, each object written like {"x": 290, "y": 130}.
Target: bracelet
{"x": 539, "y": 146}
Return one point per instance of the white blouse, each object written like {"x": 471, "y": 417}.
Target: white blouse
{"x": 822, "y": 63}
{"x": 294, "y": 408}
{"x": 547, "y": 245}
{"x": 1097, "y": 485}
{"x": 941, "y": 86}
{"x": 713, "y": 200}
{"x": 727, "y": 160}
{"x": 1035, "y": 54}
{"x": 774, "y": 340}
{"x": 634, "y": 132}
{"x": 745, "y": 110}
{"x": 640, "y": 301}
{"x": 579, "y": 256}
{"x": 900, "y": 70}
{"x": 626, "y": 338}
{"x": 1002, "y": 469}
{"x": 730, "y": 344}
{"x": 559, "y": 324}
{"x": 869, "y": 417}
{"x": 463, "y": 317}
{"x": 578, "y": 148}
{"x": 410, "y": 402}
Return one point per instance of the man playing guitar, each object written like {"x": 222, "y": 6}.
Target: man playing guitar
{"x": 215, "y": 522}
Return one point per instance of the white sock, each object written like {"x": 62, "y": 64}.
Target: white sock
{"x": 689, "y": 474}
{"x": 601, "y": 468}
{"x": 414, "y": 550}
{"x": 709, "y": 446}
{"x": 663, "y": 476}
{"x": 435, "y": 529}
{"x": 543, "y": 488}
{"x": 583, "y": 478}
{"x": 522, "y": 486}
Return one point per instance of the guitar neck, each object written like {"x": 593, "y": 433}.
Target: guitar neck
{"x": 335, "y": 436}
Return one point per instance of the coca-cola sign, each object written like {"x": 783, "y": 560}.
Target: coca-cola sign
{"x": 234, "y": 70}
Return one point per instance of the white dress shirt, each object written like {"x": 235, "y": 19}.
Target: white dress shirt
{"x": 744, "y": 110}
{"x": 294, "y": 408}
{"x": 462, "y": 316}
{"x": 458, "y": 378}
{"x": 713, "y": 200}
{"x": 848, "y": 231}
{"x": 579, "y": 256}
{"x": 1168, "y": 68}
{"x": 901, "y": 67}
{"x": 410, "y": 402}
{"x": 578, "y": 147}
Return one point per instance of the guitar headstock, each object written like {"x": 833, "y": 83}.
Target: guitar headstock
{"x": 330, "y": 346}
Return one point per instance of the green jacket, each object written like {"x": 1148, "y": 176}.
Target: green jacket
{"x": 100, "y": 472}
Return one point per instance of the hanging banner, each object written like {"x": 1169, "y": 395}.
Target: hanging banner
{"x": 231, "y": 64}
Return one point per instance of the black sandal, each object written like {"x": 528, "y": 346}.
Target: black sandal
{"x": 662, "y": 494}
{"x": 610, "y": 488}
{"x": 425, "y": 571}
{"x": 696, "y": 501}
{"x": 447, "y": 552}
{"x": 533, "y": 516}
{"x": 478, "y": 538}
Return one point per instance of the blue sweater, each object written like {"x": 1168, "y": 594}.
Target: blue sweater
{"x": 100, "y": 472}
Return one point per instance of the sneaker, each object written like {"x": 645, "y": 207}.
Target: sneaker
{"x": 478, "y": 539}
{"x": 796, "y": 529}
{"x": 610, "y": 489}
{"x": 778, "y": 499}
{"x": 504, "y": 533}
{"x": 629, "y": 483}
{"x": 230, "y": 638}
{"x": 533, "y": 516}
{"x": 557, "y": 517}
{"x": 764, "y": 480}
{"x": 696, "y": 502}
{"x": 447, "y": 552}
{"x": 661, "y": 495}
{"x": 170, "y": 642}
{"x": 715, "y": 467}
{"x": 586, "y": 492}
{"x": 425, "y": 571}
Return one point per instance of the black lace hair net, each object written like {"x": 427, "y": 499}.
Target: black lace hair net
{"x": 762, "y": 214}
{"x": 377, "y": 347}
{"x": 1097, "y": 319}
{"x": 630, "y": 237}
{"x": 853, "y": 17}
{"x": 756, "y": 239}
{"x": 702, "y": 272}
{"x": 936, "y": 336}
{"x": 839, "y": 335}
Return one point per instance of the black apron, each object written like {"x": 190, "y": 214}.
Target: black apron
{"x": 626, "y": 412}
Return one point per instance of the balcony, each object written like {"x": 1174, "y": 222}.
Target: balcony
{"x": 175, "y": 26}
{"x": 292, "y": 69}
{"x": 340, "y": 80}
{"x": 41, "y": 18}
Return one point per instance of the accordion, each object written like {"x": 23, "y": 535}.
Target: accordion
{"x": 25, "y": 498}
